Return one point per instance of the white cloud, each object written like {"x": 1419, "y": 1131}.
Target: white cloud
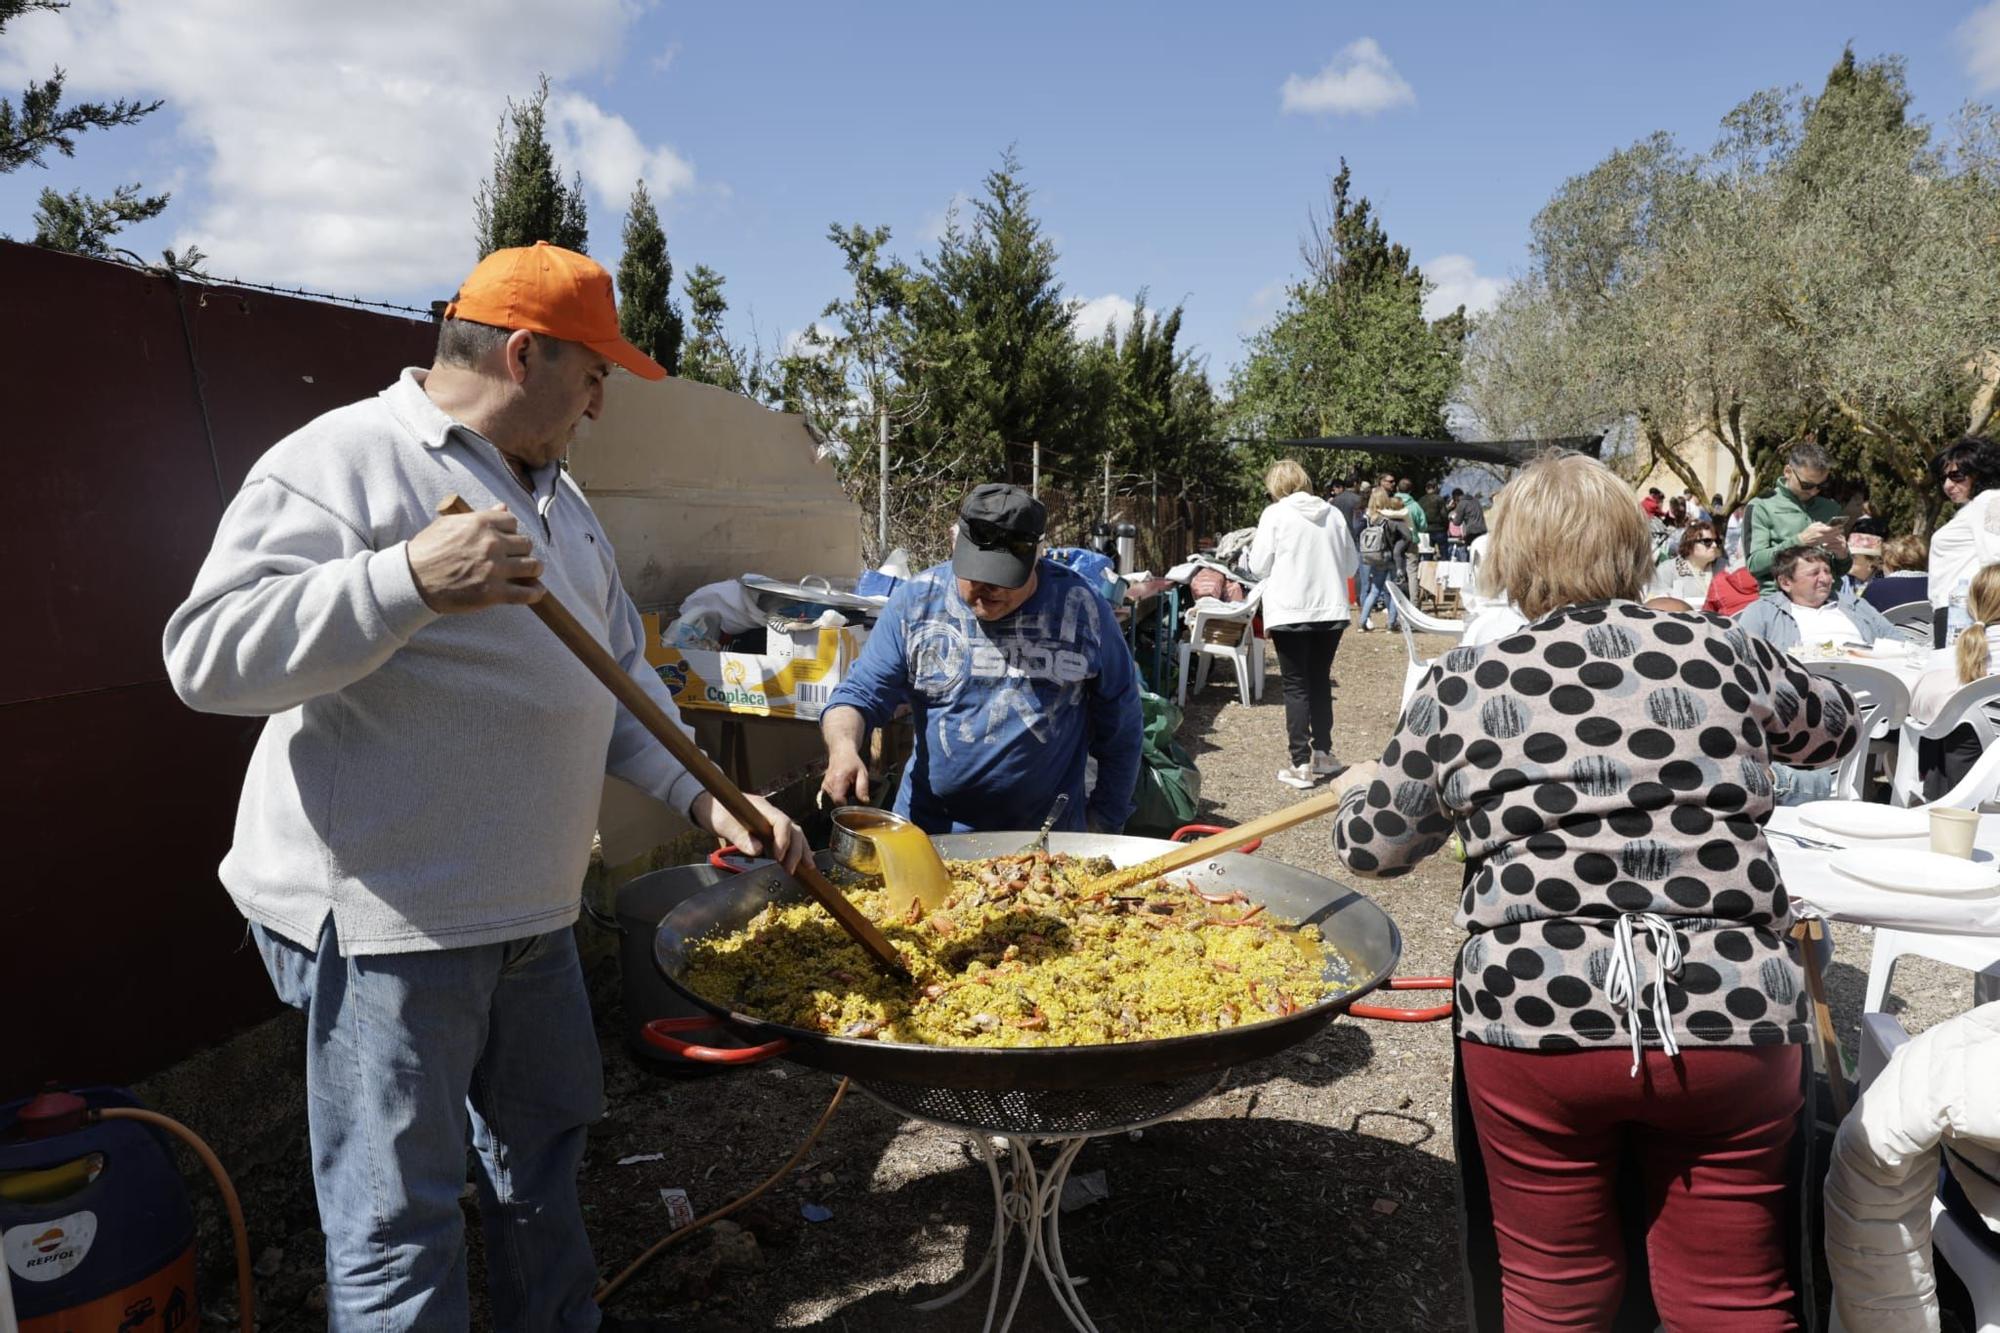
{"x": 1092, "y": 316}
{"x": 1979, "y": 38}
{"x": 931, "y": 230}
{"x": 799, "y": 342}
{"x": 340, "y": 146}
{"x": 664, "y": 61}
{"x": 1358, "y": 81}
{"x": 1458, "y": 283}
{"x": 1262, "y": 305}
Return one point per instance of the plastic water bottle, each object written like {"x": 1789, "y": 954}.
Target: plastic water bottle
{"x": 1957, "y": 617}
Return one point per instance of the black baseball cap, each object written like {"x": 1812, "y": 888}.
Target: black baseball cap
{"x": 999, "y": 529}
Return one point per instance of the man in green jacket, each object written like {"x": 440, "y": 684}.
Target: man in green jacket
{"x": 1795, "y": 513}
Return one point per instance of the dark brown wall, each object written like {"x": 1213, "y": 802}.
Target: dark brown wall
{"x": 131, "y": 406}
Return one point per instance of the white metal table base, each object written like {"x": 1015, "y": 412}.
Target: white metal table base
{"x": 1028, "y": 1199}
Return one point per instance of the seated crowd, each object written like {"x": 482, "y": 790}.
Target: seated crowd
{"x": 1808, "y": 575}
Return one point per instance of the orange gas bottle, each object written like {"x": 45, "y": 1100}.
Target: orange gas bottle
{"x": 94, "y": 1220}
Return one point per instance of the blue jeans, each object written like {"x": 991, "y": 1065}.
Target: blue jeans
{"x": 410, "y": 1057}
{"x": 1373, "y": 584}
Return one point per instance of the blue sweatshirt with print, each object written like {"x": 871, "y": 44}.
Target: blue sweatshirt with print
{"x": 1006, "y": 712}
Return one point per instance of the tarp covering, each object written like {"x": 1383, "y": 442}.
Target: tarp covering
{"x": 696, "y": 484}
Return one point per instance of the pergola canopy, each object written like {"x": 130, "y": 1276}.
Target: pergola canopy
{"x": 1511, "y": 453}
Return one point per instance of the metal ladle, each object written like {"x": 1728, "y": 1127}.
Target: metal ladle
{"x": 1041, "y": 842}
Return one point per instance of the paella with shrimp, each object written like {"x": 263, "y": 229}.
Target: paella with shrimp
{"x": 1024, "y": 951}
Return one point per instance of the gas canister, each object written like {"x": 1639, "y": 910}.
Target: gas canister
{"x": 94, "y": 1220}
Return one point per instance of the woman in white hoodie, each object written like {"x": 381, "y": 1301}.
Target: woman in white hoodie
{"x": 1305, "y": 555}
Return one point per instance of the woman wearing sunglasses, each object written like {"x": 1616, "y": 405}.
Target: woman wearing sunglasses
{"x": 1685, "y": 574}
{"x": 1969, "y": 471}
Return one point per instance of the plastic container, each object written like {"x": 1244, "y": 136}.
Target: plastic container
{"x": 95, "y": 1225}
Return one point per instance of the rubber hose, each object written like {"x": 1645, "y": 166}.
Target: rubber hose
{"x": 246, "y": 1296}
{"x": 605, "y": 1292}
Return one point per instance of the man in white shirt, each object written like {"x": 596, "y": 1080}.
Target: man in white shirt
{"x": 1805, "y": 609}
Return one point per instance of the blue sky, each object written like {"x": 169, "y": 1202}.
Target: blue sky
{"x": 337, "y": 147}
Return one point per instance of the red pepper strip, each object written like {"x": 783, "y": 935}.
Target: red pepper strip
{"x": 1233, "y": 896}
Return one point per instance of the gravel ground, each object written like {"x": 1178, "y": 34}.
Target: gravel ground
{"x": 1315, "y": 1191}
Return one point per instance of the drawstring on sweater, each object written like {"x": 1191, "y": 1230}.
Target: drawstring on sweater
{"x": 1621, "y": 979}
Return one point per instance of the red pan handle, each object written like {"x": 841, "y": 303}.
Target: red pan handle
{"x": 1187, "y": 832}
{"x": 1389, "y": 1013}
{"x": 657, "y": 1033}
{"x": 722, "y": 858}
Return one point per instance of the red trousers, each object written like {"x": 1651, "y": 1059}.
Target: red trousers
{"x": 1711, "y": 1129}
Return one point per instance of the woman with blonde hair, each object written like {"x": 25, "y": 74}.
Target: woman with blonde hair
{"x": 1305, "y": 556}
{"x": 1945, "y": 760}
{"x": 1626, "y": 986}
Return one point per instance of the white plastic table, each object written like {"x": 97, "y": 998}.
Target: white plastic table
{"x": 1813, "y": 882}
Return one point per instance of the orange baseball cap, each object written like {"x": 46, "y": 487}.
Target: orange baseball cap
{"x": 546, "y": 289}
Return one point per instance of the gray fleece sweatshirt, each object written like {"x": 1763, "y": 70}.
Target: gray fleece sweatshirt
{"x": 432, "y": 781}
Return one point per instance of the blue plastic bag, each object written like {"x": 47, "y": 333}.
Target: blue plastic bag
{"x": 1099, "y": 570}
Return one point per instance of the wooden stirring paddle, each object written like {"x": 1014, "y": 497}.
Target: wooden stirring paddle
{"x": 605, "y": 667}
{"x": 1214, "y": 845}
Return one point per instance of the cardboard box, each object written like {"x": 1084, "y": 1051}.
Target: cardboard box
{"x": 794, "y": 677}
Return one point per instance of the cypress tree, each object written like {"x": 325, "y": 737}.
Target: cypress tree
{"x": 525, "y": 200}
{"x": 647, "y": 315}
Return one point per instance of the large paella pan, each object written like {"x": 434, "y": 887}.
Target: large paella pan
{"x": 1362, "y": 947}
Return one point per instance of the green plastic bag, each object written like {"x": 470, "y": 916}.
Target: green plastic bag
{"x": 1169, "y": 791}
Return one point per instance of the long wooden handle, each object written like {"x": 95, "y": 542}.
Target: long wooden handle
{"x": 641, "y": 705}
{"x": 1215, "y": 844}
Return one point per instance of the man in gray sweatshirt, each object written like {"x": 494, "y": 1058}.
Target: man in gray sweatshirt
{"x": 417, "y": 816}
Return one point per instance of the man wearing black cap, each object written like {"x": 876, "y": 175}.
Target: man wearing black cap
{"x": 1017, "y": 675}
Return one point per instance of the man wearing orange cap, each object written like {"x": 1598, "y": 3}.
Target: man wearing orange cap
{"x": 417, "y": 816}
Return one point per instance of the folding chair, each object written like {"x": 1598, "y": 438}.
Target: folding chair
{"x": 1882, "y": 703}
{"x": 1227, "y": 630}
{"x": 1977, "y": 704}
{"x": 1412, "y": 621}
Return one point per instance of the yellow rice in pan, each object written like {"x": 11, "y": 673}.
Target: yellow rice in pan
{"x": 1018, "y": 955}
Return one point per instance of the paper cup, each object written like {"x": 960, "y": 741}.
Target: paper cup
{"x": 1952, "y": 831}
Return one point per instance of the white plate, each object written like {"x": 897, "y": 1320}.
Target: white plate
{"x": 1919, "y": 872}
{"x": 1866, "y": 819}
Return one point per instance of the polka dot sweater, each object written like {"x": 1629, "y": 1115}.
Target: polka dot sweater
{"x": 1609, "y": 763}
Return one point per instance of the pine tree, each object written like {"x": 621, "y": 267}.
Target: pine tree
{"x": 525, "y": 200}
{"x": 707, "y": 357}
{"x": 995, "y": 358}
{"x": 75, "y": 221}
{"x": 647, "y": 315}
{"x": 1351, "y": 351}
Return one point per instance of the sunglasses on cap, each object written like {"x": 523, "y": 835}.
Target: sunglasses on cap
{"x": 992, "y": 537}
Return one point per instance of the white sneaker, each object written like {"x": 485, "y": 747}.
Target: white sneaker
{"x": 1325, "y": 765}
{"x": 1301, "y": 776}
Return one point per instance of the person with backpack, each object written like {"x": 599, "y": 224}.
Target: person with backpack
{"x": 1385, "y": 539}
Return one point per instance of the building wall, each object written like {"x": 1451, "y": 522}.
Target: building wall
{"x": 134, "y": 406}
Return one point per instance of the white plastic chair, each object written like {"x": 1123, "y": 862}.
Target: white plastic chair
{"x": 1881, "y": 1037}
{"x": 1977, "y": 704}
{"x": 1882, "y": 703}
{"x": 1225, "y": 629}
{"x": 1912, "y": 620}
{"x": 1410, "y": 621}
{"x": 1978, "y": 954}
